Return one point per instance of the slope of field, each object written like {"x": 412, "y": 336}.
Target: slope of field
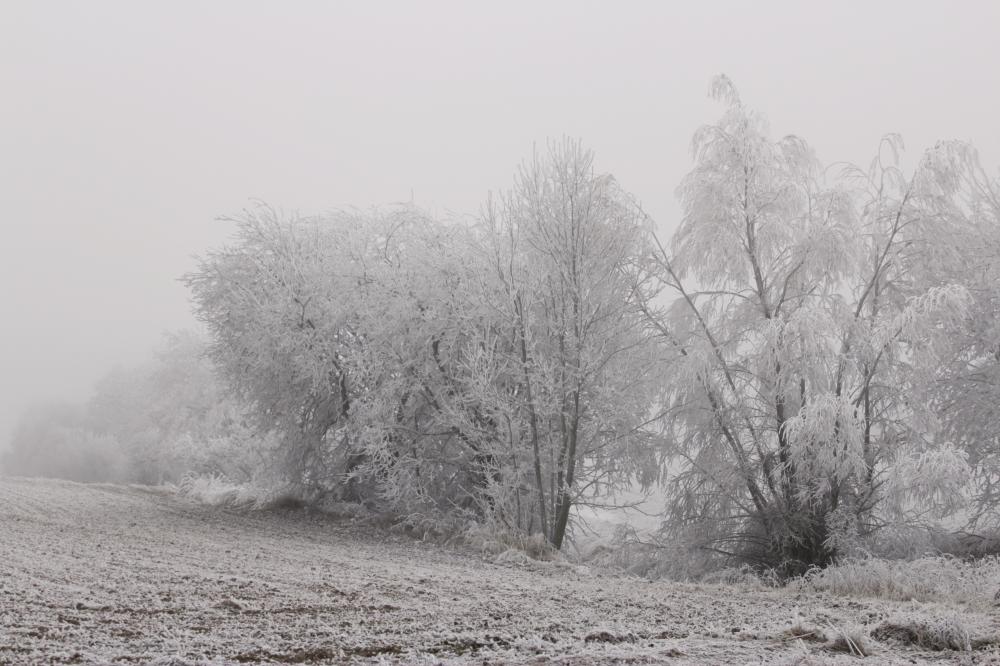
{"x": 107, "y": 574}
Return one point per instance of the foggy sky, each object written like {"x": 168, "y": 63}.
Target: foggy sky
{"x": 126, "y": 128}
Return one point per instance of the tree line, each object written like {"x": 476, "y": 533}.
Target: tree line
{"x": 812, "y": 357}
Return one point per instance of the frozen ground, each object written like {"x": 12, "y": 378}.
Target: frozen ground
{"x": 106, "y": 574}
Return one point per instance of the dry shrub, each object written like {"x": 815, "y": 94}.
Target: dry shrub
{"x": 506, "y": 544}
{"x": 631, "y": 557}
{"x": 944, "y": 579}
{"x": 651, "y": 557}
{"x": 803, "y": 632}
{"x": 941, "y": 632}
{"x": 909, "y": 542}
{"x": 852, "y": 639}
{"x": 435, "y": 527}
{"x": 216, "y": 490}
{"x": 744, "y": 576}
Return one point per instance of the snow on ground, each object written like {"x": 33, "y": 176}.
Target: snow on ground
{"x": 109, "y": 574}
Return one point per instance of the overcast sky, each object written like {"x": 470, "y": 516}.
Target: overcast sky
{"x": 127, "y": 127}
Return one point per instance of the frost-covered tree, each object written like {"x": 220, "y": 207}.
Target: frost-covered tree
{"x": 807, "y": 322}
{"x": 278, "y": 303}
{"x": 575, "y": 380}
{"x": 149, "y": 423}
{"x": 496, "y": 369}
{"x": 966, "y": 395}
{"x": 171, "y": 415}
{"x": 52, "y": 440}
{"x": 346, "y": 332}
{"x": 417, "y": 424}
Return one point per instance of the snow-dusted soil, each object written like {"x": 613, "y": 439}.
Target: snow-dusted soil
{"x": 106, "y": 574}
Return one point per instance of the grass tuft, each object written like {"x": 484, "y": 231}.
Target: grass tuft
{"x": 929, "y": 579}
{"x": 803, "y": 632}
{"x": 216, "y": 490}
{"x": 942, "y": 632}
{"x": 854, "y": 640}
{"x": 507, "y": 545}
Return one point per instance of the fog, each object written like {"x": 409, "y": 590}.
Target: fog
{"x": 127, "y": 128}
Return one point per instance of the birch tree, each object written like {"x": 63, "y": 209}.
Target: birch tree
{"x": 803, "y": 335}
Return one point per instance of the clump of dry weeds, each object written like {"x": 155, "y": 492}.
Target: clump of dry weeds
{"x": 928, "y": 579}
{"x": 852, "y": 639}
{"x": 940, "y": 632}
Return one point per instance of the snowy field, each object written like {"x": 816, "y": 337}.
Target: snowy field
{"x": 108, "y": 574}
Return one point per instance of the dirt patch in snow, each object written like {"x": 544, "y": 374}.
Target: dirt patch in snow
{"x": 106, "y": 574}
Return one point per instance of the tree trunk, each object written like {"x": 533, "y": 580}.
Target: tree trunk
{"x": 533, "y": 420}
{"x": 565, "y": 502}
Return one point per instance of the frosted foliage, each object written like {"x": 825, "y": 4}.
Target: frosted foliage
{"x": 577, "y": 378}
{"x": 151, "y": 423}
{"x": 932, "y": 482}
{"x": 821, "y": 320}
{"x": 939, "y": 310}
{"x": 803, "y": 327}
{"x": 748, "y": 194}
{"x": 494, "y": 370}
{"x": 798, "y": 347}
{"x": 825, "y": 443}
{"x": 351, "y": 314}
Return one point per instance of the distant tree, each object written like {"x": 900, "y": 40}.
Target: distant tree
{"x": 51, "y": 440}
{"x": 172, "y": 415}
{"x": 151, "y": 423}
{"x": 119, "y": 408}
